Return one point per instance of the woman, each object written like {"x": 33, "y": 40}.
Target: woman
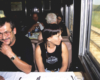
{"x": 52, "y": 53}
{"x": 65, "y": 31}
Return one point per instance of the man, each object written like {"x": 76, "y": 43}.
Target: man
{"x": 51, "y": 18}
{"x": 35, "y": 24}
{"x": 16, "y": 53}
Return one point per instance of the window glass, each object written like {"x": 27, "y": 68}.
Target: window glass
{"x": 16, "y": 6}
{"x": 71, "y": 18}
{"x": 95, "y": 31}
{"x": 2, "y": 14}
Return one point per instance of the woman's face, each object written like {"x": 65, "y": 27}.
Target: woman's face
{"x": 56, "y": 39}
{"x": 59, "y": 19}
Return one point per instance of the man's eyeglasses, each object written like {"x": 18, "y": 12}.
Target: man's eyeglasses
{"x": 7, "y": 33}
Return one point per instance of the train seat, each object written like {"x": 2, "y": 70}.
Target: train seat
{"x": 33, "y": 45}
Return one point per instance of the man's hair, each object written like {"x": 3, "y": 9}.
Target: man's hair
{"x": 4, "y": 20}
{"x": 51, "y": 18}
{"x": 50, "y": 30}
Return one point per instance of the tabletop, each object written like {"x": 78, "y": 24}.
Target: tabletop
{"x": 41, "y": 76}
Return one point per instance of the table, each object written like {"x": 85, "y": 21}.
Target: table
{"x": 33, "y": 37}
{"x": 42, "y": 76}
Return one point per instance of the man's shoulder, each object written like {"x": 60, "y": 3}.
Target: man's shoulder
{"x": 22, "y": 38}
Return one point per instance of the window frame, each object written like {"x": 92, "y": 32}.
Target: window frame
{"x": 89, "y": 62}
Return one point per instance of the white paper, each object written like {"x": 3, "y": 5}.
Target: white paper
{"x": 40, "y": 75}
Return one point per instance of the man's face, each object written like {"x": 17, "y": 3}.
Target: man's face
{"x": 35, "y": 17}
{"x": 7, "y": 36}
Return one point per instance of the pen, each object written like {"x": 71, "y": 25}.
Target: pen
{"x": 72, "y": 77}
{"x": 20, "y": 78}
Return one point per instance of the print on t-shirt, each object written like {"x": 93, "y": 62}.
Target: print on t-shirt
{"x": 52, "y": 60}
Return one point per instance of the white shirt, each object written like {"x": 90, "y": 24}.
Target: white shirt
{"x": 40, "y": 25}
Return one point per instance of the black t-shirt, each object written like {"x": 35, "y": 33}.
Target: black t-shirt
{"x": 23, "y": 49}
{"x": 53, "y": 60}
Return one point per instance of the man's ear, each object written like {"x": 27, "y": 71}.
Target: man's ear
{"x": 14, "y": 31}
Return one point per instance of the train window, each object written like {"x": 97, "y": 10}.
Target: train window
{"x": 89, "y": 45}
{"x": 71, "y": 18}
{"x": 46, "y": 5}
{"x": 16, "y": 6}
{"x": 2, "y": 14}
{"x": 95, "y": 31}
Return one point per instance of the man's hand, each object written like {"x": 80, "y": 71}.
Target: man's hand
{"x": 21, "y": 65}
{"x": 33, "y": 27}
{"x": 1, "y": 78}
{"x": 36, "y": 25}
{"x": 6, "y": 49}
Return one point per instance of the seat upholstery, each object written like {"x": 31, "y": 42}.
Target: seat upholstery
{"x": 33, "y": 45}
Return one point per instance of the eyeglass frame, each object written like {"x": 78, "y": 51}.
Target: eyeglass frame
{"x": 5, "y": 33}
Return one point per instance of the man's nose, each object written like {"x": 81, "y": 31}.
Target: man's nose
{"x": 3, "y": 36}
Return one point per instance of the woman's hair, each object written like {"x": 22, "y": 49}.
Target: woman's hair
{"x": 59, "y": 15}
{"x": 50, "y": 30}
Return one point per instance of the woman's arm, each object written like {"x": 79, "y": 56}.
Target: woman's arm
{"x": 64, "y": 58}
{"x": 38, "y": 58}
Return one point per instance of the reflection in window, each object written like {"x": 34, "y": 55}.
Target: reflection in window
{"x": 2, "y": 14}
{"x": 16, "y": 6}
{"x": 71, "y": 18}
{"x": 95, "y": 31}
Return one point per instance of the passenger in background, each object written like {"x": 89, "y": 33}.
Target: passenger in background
{"x": 51, "y": 18}
{"x": 35, "y": 25}
{"x": 65, "y": 31}
{"x": 52, "y": 53}
{"x": 16, "y": 52}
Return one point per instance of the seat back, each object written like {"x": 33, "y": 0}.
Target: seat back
{"x": 65, "y": 38}
{"x": 69, "y": 47}
{"x": 33, "y": 45}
